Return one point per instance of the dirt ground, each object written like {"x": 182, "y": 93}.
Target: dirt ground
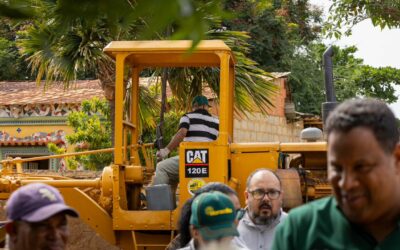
{"x": 81, "y": 235}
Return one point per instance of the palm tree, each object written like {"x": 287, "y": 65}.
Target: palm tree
{"x": 61, "y": 48}
{"x": 252, "y": 91}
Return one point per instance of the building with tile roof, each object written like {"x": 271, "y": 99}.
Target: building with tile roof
{"x": 31, "y": 117}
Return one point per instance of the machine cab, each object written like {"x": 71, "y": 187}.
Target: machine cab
{"x": 200, "y": 162}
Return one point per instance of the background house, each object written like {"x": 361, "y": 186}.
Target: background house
{"x": 282, "y": 123}
{"x": 30, "y": 118}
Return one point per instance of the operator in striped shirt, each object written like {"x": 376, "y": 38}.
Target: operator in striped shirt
{"x": 195, "y": 126}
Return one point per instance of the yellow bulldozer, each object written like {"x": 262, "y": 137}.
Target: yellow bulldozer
{"x": 118, "y": 215}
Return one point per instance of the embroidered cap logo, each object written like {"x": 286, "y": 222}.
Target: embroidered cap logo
{"x": 47, "y": 194}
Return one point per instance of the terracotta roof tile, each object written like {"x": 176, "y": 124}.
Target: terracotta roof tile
{"x": 20, "y": 93}
{"x": 38, "y": 138}
{"x": 29, "y": 92}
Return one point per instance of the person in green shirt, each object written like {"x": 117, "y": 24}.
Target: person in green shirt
{"x": 364, "y": 171}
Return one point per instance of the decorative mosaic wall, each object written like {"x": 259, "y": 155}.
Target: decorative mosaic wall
{"x": 57, "y": 137}
{"x": 32, "y": 110}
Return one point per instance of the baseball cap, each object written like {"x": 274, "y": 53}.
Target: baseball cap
{"x": 213, "y": 214}
{"x": 36, "y": 202}
{"x": 200, "y": 100}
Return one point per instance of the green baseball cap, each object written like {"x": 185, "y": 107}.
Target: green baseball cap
{"x": 200, "y": 100}
{"x": 213, "y": 214}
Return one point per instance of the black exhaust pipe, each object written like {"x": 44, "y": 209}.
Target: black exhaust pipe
{"x": 330, "y": 103}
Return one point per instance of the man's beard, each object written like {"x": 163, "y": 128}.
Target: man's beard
{"x": 263, "y": 220}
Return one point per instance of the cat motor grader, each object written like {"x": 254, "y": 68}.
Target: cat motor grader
{"x": 118, "y": 215}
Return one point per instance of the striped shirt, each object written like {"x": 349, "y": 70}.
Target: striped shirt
{"x": 201, "y": 126}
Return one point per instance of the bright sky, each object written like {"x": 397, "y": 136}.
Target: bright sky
{"x": 378, "y": 48}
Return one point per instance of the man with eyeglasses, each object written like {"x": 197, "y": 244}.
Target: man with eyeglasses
{"x": 264, "y": 210}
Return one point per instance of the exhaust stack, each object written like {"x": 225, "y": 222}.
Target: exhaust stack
{"x": 330, "y": 103}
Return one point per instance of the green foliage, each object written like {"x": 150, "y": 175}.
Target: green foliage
{"x": 92, "y": 127}
{"x": 56, "y": 150}
{"x": 149, "y": 107}
{"x": 71, "y": 162}
{"x": 63, "y": 57}
{"x": 276, "y": 29}
{"x": 306, "y": 80}
{"x": 16, "y": 9}
{"x": 351, "y": 78}
{"x": 171, "y": 124}
{"x": 270, "y": 42}
{"x": 190, "y": 18}
{"x": 12, "y": 65}
{"x": 347, "y": 13}
{"x": 282, "y": 35}
{"x": 8, "y": 55}
{"x": 251, "y": 89}
{"x": 62, "y": 53}
{"x": 377, "y": 82}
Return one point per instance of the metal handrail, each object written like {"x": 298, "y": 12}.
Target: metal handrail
{"x": 39, "y": 158}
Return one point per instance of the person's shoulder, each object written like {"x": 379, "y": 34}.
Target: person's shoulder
{"x": 184, "y": 118}
{"x": 204, "y": 114}
{"x": 317, "y": 205}
{"x": 313, "y": 209}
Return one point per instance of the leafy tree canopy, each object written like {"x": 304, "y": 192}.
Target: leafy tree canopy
{"x": 92, "y": 128}
{"x": 190, "y": 18}
{"x": 351, "y": 78}
{"x": 12, "y": 65}
{"x": 276, "y": 28}
{"x": 347, "y": 13}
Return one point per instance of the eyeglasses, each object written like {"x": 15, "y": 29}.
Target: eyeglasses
{"x": 259, "y": 194}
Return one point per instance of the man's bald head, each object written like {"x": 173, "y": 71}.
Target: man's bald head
{"x": 260, "y": 172}
{"x": 263, "y": 196}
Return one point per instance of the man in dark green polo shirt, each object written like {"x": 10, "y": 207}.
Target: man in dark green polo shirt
{"x": 364, "y": 170}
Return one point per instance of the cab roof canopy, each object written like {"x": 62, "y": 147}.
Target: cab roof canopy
{"x": 171, "y": 53}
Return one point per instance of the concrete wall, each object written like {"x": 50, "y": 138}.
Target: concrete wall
{"x": 272, "y": 127}
{"x": 262, "y": 128}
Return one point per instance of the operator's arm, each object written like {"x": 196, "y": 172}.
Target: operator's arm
{"x": 178, "y": 138}
{"x": 184, "y": 124}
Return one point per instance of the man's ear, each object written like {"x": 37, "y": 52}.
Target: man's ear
{"x": 246, "y": 195}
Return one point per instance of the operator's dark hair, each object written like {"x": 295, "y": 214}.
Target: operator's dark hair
{"x": 368, "y": 113}
{"x": 186, "y": 211}
{"x": 250, "y": 177}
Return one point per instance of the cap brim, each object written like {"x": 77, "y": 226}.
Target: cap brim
{"x": 218, "y": 231}
{"x": 46, "y": 212}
